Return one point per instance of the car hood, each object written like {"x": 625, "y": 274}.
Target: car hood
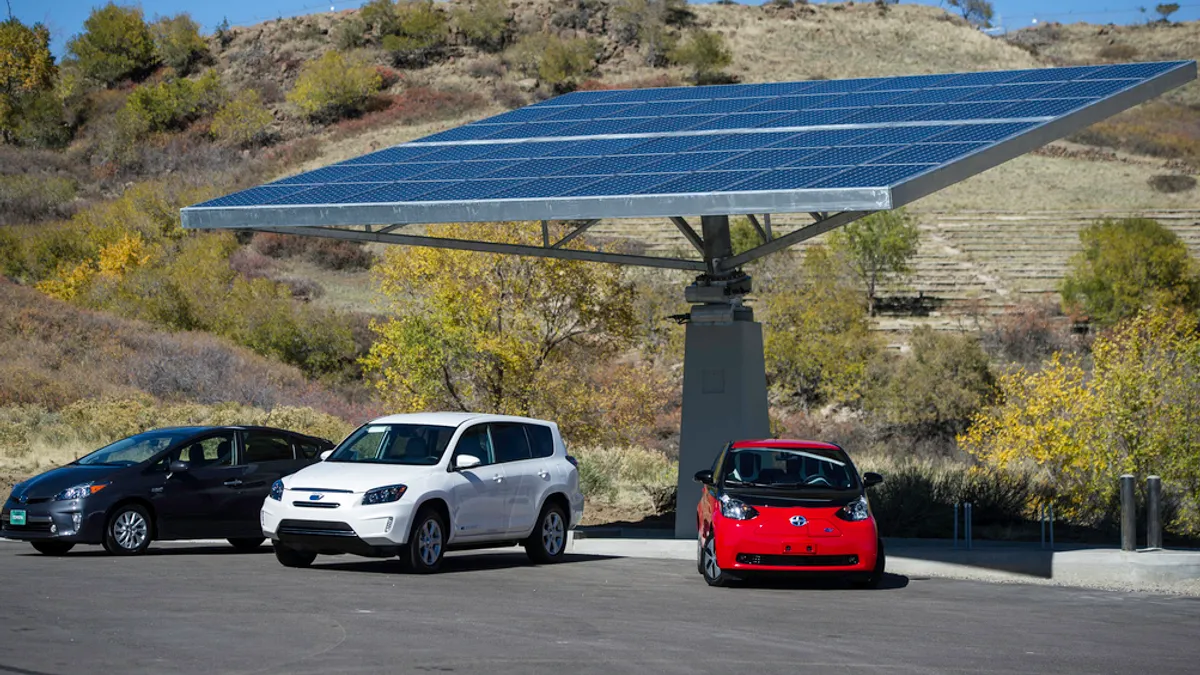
{"x": 55, "y": 481}
{"x": 356, "y": 476}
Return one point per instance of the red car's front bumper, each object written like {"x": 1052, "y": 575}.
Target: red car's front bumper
{"x": 772, "y": 543}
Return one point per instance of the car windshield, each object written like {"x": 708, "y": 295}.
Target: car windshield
{"x": 136, "y": 449}
{"x": 414, "y": 444}
{"x": 788, "y": 468}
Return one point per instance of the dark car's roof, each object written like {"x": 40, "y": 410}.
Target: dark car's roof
{"x": 248, "y": 427}
{"x": 785, "y": 444}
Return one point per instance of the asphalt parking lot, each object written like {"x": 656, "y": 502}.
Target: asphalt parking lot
{"x": 206, "y": 609}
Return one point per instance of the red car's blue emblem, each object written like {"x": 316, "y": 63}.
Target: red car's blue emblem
{"x": 798, "y": 521}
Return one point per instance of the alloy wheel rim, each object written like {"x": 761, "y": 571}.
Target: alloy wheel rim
{"x": 429, "y": 542}
{"x": 130, "y": 530}
{"x": 710, "y": 560}
{"x": 553, "y": 533}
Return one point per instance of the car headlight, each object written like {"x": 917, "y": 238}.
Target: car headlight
{"x": 855, "y": 510}
{"x": 735, "y": 509}
{"x": 277, "y": 491}
{"x": 385, "y": 494}
{"x": 79, "y": 491}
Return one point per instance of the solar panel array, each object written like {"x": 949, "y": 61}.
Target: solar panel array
{"x": 793, "y": 136}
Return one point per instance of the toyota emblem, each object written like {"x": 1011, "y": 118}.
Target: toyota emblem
{"x": 316, "y": 497}
{"x": 798, "y": 521}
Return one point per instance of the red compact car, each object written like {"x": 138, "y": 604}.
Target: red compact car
{"x": 787, "y": 506}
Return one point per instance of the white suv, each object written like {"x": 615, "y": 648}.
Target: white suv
{"x": 417, "y": 485}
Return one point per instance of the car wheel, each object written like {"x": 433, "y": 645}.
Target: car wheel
{"x": 713, "y": 574}
{"x": 874, "y": 578}
{"x": 247, "y": 544}
{"x": 290, "y": 557}
{"x": 548, "y": 543}
{"x": 127, "y": 531}
{"x": 426, "y": 543}
{"x": 52, "y": 547}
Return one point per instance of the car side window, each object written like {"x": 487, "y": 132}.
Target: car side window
{"x": 264, "y": 446}
{"x": 509, "y": 442}
{"x": 214, "y": 450}
{"x": 476, "y": 441}
{"x": 542, "y": 440}
{"x": 308, "y": 449}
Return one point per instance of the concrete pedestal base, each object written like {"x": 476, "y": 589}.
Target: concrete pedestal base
{"x": 724, "y": 400}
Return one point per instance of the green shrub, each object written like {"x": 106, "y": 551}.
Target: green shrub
{"x": 26, "y": 70}
{"x": 483, "y": 23}
{"x": 420, "y": 33}
{"x": 334, "y": 86}
{"x": 170, "y": 105}
{"x": 243, "y": 120}
{"x": 28, "y": 198}
{"x": 379, "y": 17}
{"x": 705, "y": 54}
{"x": 116, "y": 45}
{"x": 350, "y": 33}
{"x": 1127, "y": 266}
{"x": 556, "y": 62}
{"x": 42, "y": 123}
{"x": 178, "y": 44}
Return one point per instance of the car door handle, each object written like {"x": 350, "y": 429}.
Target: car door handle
{"x": 498, "y": 478}
{"x": 232, "y": 483}
{"x": 544, "y": 473}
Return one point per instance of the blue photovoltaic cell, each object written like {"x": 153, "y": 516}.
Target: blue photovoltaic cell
{"x": 627, "y": 184}
{"x": 780, "y": 179}
{"x": 468, "y": 190}
{"x": 847, "y": 156}
{"x": 872, "y": 176}
{"x": 542, "y": 188}
{"x": 465, "y": 170}
{"x": 263, "y": 194}
{"x": 872, "y": 133}
{"x": 928, "y": 153}
{"x": 326, "y": 175}
{"x": 606, "y": 166}
{"x": 400, "y": 153}
{"x": 764, "y": 159}
{"x": 325, "y": 194}
{"x": 684, "y": 162}
{"x": 703, "y": 181}
{"x": 981, "y": 132}
{"x": 595, "y": 148}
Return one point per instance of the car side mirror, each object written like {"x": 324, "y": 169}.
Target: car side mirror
{"x": 178, "y": 467}
{"x": 466, "y": 462}
{"x": 325, "y": 455}
{"x": 705, "y": 477}
{"x": 871, "y": 479}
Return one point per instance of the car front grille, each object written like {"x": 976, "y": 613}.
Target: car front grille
{"x": 28, "y": 527}
{"x": 315, "y": 528}
{"x": 797, "y": 560}
{"x": 316, "y": 505}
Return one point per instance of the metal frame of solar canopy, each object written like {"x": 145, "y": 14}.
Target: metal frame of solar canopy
{"x": 846, "y": 205}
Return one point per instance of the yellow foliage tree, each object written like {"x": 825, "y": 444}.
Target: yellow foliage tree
{"x": 507, "y": 334}
{"x": 334, "y": 86}
{"x": 26, "y": 68}
{"x": 1137, "y": 412}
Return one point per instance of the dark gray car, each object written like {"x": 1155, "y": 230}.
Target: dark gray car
{"x": 174, "y": 483}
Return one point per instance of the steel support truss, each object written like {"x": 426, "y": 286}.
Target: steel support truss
{"x": 558, "y": 249}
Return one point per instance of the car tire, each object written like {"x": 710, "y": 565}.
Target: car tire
{"x": 247, "y": 544}
{"x": 52, "y": 547}
{"x": 709, "y": 569}
{"x": 128, "y": 530}
{"x": 874, "y": 578}
{"x": 426, "y": 543}
{"x": 290, "y": 557}
{"x": 547, "y": 544}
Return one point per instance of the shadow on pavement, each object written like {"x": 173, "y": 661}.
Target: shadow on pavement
{"x": 451, "y": 564}
{"x": 815, "y": 582}
{"x": 203, "y": 549}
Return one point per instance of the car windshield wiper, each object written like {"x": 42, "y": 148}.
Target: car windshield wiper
{"x": 747, "y": 483}
{"x": 818, "y": 486}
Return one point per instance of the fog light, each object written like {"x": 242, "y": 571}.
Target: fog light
{"x": 387, "y": 526}
{"x": 53, "y": 529}
{"x": 77, "y": 520}
{"x": 853, "y": 560}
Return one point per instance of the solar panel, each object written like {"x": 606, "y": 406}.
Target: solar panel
{"x": 831, "y": 145}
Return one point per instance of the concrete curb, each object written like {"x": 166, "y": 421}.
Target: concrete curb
{"x": 1152, "y": 571}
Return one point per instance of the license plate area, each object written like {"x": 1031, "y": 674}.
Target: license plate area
{"x": 799, "y": 548}
{"x": 17, "y": 517}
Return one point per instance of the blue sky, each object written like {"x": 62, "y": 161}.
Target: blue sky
{"x": 65, "y": 17}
